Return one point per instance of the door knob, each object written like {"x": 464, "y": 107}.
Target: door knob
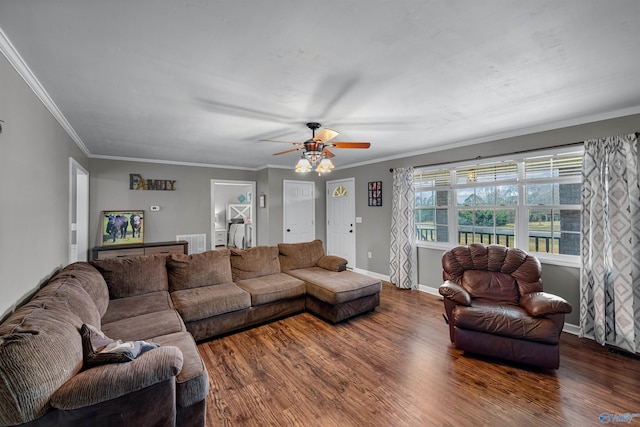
{"x": 350, "y": 231}
{"x": 288, "y": 230}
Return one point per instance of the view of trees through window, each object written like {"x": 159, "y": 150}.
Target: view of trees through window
{"x": 544, "y": 192}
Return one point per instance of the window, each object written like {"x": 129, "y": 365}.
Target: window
{"x": 433, "y": 196}
{"x": 552, "y": 199}
{"x": 486, "y": 202}
{"x": 532, "y": 203}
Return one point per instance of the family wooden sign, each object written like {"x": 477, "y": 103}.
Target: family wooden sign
{"x": 136, "y": 182}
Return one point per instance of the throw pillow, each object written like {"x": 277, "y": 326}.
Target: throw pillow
{"x": 98, "y": 349}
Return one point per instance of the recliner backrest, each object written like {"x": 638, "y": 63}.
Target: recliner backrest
{"x": 492, "y": 264}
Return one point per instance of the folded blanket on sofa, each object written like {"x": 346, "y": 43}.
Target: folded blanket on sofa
{"x": 99, "y": 349}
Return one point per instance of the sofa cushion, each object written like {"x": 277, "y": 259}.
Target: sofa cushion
{"x": 300, "y": 255}
{"x": 138, "y": 275}
{"x": 336, "y": 287}
{"x": 272, "y": 288}
{"x": 192, "y": 383}
{"x": 203, "y": 269}
{"x": 98, "y": 349}
{"x": 123, "y": 308}
{"x": 91, "y": 281}
{"x": 254, "y": 262}
{"x": 32, "y": 341}
{"x": 506, "y": 320}
{"x": 145, "y": 326}
{"x": 490, "y": 286}
{"x": 333, "y": 263}
{"x": 66, "y": 294}
{"x": 200, "y": 303}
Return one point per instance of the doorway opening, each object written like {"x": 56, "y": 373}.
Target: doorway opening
{"x": 233, "y": 207}
{"x": 78, "y": 212}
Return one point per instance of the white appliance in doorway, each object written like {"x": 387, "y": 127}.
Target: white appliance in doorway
{"x": 299, "y": 213}
{"x": 341, "y": 218}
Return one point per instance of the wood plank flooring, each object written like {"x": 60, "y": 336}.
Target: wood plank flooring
{"x": 396, "y": 367}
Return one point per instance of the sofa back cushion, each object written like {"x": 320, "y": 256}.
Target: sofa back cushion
{"x": 490, "y": 286}
{"x": 197, "y": 270}
{"x": 524, "y": 268}
{"x": 254, "y": 262}
{"x": 300, "y": 255}
{"x": 90, "y": 280}
{"x": 40, "y": 350}
{"x": 67, "y": 294}
{"x": 127, "y": 277}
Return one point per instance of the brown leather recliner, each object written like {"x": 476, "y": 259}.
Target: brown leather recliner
{"x": 495, "y": 305}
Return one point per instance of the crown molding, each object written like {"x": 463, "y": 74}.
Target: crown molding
{"x": 609, "y": 115}
{"x": 170, "y": 162}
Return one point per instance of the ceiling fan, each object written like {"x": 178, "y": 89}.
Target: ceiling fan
{"x": 316, "y": 149}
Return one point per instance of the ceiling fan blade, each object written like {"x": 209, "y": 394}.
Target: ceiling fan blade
{"x": 328, "y": 153}
{"x": 325, "y": 135}
{"x": 277, "y": 140}
{"x": 288, "y": 151}
{"x": 349, "y": 144}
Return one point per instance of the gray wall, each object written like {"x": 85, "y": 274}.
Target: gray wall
{"x": 187, "y": 210}
{"x": 373, "y": 233}
{"x": 34, "y": 190}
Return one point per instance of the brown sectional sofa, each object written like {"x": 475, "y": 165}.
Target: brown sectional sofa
{"x": 173, "y": 301}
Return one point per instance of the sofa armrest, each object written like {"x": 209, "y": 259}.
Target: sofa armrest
{"x": 542, "y": 303}
{"x": 332, "y": 263}
{"x": 454, "y": 292}
{"x": 106, "y": 382}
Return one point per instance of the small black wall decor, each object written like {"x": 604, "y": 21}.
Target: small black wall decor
{"x": 375, "y": 193}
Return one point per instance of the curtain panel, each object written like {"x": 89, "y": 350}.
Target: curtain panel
{"x": 403, "y": 253}
{"x": 610, "y": 248}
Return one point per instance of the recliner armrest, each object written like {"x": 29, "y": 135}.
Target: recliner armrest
{"x": 455, "y": 293}
{"x": 542, "y": 303}
{"x": 332, "y": 263}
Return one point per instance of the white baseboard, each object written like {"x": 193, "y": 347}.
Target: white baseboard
{"x": 573, "y": 329}
{"x": 429, "y": 290}
{"x": 371, "y": 273}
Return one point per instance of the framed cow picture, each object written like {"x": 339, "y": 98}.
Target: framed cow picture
{"x": 122, "y": 227}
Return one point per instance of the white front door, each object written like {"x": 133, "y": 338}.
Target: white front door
{"x": 299, "y": 211}
{"x": 341, "y": 216}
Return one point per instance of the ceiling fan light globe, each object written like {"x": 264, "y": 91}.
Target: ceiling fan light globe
{"x": 325, "y": 166}
{"x": 303, "y": 166}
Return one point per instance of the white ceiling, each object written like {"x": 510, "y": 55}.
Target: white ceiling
{"x": 202, "y": 81}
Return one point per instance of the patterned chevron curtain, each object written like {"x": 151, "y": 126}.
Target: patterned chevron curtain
{"x": 403, "y": 257}
{"x": 610, "y": 273}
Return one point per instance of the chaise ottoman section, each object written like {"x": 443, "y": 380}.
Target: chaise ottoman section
{"x": 338, "y": 295}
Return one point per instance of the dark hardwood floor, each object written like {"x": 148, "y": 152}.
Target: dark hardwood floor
{"x": 396, "y": 367}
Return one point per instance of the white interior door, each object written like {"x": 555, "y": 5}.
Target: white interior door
{"x": 341, "y": 216}
{"x": 299, "y": 212}
{"x": 78, "y": 212}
